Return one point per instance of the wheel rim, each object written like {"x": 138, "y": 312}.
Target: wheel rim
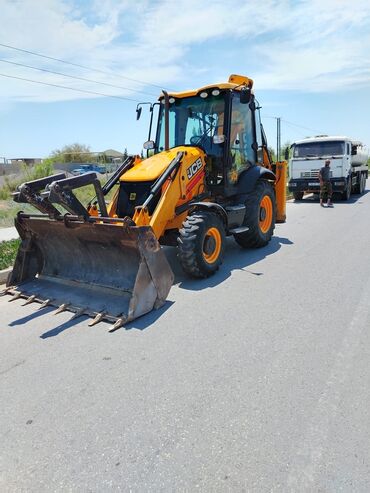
{"x": 212, "y": 245}
{"x": 265, "y": 214}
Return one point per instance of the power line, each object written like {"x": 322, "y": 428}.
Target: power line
{"x": 75, "y": 77}
{"x": 299, "y": 126}
{"x": 69, "y": 88}
{"x": 293, "y": 124}
{"x": 29, "y": 52}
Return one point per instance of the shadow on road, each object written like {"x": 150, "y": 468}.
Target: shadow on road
{"x": 235, "y": 258}
{"x": 337, "y": 199}
{"x": 32, "y": 316}
{"x": 64, "y": 326}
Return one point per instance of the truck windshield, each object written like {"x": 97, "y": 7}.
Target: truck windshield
{"x": 319, "y": 149}
{"x": 193, "y": 121}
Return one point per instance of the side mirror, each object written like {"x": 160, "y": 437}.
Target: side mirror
{"x": 245, "y": 95}
{"x": 149, "y": 144}
{"x": 138, "y": 112}
{"x": 354, "y": 151}
{"x": 286, "y": 155}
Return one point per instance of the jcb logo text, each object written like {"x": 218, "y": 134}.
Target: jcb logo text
{"x": 194, "y": 168}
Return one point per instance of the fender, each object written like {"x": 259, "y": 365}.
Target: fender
{"x": 213, "y": 206}
{"x": 249, "y": 178}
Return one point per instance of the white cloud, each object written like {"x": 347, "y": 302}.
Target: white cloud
{"x": 307, "y": 45}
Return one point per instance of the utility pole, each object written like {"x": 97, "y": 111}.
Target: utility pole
{"x": 278, "y": 138}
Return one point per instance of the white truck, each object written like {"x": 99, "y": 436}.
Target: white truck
{"x": 348, "y": 165}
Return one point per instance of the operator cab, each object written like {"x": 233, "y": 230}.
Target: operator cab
{"x": 202, "y": 121}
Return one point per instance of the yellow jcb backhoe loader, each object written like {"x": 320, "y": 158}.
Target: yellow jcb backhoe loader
{"x": 207, "y": 175}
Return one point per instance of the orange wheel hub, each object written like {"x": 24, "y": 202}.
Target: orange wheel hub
{"x": 265, "y": 214}
{"x": 212, "y": 245}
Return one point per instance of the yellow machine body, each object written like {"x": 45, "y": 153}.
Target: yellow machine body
{"x": 107, "y": 261}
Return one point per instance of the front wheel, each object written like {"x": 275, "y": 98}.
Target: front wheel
{"x": 347, "y": 193}
{"x": 201, "y": 244}
{"x": 259, "y": 216}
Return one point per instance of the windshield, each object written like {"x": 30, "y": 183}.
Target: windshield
{"x": 193, "y": 121}
{"x": 319, "y": 149}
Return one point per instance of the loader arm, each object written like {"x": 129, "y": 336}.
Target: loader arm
{"x": 179, "y": 182}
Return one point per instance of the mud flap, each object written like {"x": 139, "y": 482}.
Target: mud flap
{"x": 115, "y": 272}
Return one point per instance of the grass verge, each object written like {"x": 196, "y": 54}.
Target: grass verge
{"x": 8, "y": 252}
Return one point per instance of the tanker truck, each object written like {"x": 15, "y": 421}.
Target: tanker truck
{"x": 348, "y": 165}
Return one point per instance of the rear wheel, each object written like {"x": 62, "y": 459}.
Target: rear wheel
{"x": 259, "y": 217}
{"x": 358, "y": 187}
{"x": 362, "y": 183}
{"x": 298, "y": 195}
{"x": 201, "y": 244}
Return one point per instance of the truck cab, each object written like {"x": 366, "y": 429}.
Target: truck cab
{"x": 348, "y": 168}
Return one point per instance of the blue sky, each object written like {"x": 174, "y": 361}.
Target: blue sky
{"x": 310, "y": 61}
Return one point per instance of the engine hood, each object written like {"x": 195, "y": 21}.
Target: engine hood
{"x": 151, "y": 168}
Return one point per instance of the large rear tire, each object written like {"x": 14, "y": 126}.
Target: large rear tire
{"x": 259, "y": 217}
{"x": 201, "y": 244}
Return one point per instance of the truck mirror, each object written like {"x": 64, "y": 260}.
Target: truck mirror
{"x": 138, "y": 113}
{"x": 286, "y": 155}
{"x": 354, "y": 151}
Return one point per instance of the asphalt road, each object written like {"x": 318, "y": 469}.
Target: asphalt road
{"x": 254, "y": 380}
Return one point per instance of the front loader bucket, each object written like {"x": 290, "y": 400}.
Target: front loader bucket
{"x": 108, "y": 271}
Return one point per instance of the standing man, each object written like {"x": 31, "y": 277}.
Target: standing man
{"x": 325, "y": 184}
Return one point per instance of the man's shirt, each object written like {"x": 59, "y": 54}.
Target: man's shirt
{"x": 325, "y": 173}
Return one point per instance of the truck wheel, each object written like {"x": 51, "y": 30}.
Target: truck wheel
{"x": 347, "y": 193}
{"x": 298, "y": 195}
{"x": 201, "y": 244}
{"x": 362, "y": 183}
{"x": 259, "y": 217}
{"x": 358, "y": 187}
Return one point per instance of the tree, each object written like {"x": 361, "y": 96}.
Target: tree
{"x": 78, "y": 153}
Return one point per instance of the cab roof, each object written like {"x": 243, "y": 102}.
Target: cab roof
{"x": 235, "y": 82}
{"x": 328, "y": 138}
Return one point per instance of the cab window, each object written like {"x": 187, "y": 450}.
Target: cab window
{"x": 241, "y": 136}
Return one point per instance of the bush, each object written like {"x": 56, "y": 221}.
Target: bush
{"x": 8, "y": 252}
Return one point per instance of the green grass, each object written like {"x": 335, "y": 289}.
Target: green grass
{"x": 8, "y": 252}
{"x": 27, "y": 173}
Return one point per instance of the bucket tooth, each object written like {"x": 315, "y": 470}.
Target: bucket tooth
{"x": 7, "y": 290}
{"x": 29, "y": 300}
{"x": 117, "y": 324}
{"x": 61, "y": 309}
{"x": 45, "y": 303}
{"x": 79, "y": 313}
{"x": 15, "y": 296}
{"x": 97, "y": 319}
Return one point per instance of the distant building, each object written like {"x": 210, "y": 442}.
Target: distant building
{"x": 110, "y": 155}
{"x": 26, "y": 160}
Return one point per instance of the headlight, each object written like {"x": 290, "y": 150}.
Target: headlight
{"x": 215, "y": 92}
{"x": 292, "y": 184}
{"x": 203, "y": 95}
{"x": 339, "y": 183}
